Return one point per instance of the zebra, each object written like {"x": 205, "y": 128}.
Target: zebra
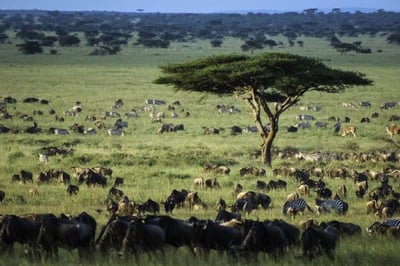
{"x": 387, "y": 226}
{"x": 292, "y": 207}
{"x": 392, "y": 223}
{"x": 336, "y": 204}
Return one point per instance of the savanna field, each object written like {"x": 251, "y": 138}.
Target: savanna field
{"x": 154, "y": 164}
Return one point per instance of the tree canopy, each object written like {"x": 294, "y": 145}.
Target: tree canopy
{"x": 261, "y": 80}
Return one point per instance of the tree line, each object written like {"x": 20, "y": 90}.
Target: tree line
{"x": 109, "y": 32}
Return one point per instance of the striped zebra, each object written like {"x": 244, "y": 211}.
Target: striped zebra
{"x": 335, "y": 204}
{"x": 292, "y": 207}
{"x": 392, "y": 223}
{"x": 387, "y": 226}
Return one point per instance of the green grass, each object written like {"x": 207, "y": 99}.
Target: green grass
{"x": 152, "y": 164}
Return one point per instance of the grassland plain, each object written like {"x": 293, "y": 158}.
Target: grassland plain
{"x": 153, "y": 164}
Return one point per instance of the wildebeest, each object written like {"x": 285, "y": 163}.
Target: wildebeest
{"x": 115, "y": 193}
{"x": 2, "y": 195}
{"x": 212, "y": 183}
{"x": 365, "y": 104}
{"x": 251, "y": 170}
{"x": 388, "y": 105}
{"x": 142, "y": 237}
{"x": 113, "y": 233}
{"x": 103, "y": 171}
{"x": 149, "y": 206}
{"x": 115, "y": 132}
{"x": 72, "y": 190}
{"x": 224, "y": 216}
{"x": 218, "y": 169}
{"x": 26, "y": 176}
{"x": 76, "y": 233}
{"x": 263, "y": 237}
{"x": 316, "y": 241}
{"x": 119, "y": 181}
{"x": 208, "y": 235}
{"x": 94, "y": 178}
{"x": 17, "y": 229}
{"x": 344, "y": 228}
{"x": 276, "y": 185}
{"x": 177, "y": 232}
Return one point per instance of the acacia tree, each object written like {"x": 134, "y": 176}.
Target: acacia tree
{"x": 269, "y": 82}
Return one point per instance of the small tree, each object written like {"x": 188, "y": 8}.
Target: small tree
{"x": 30, "y": 47}
{"x": 269, "y": 82}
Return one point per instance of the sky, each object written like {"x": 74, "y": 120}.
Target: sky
{"x": 195, "y": 6}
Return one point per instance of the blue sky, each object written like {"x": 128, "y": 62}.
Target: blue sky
{"x": 196, "y": 6}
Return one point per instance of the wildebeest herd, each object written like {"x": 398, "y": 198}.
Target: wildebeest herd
{"x": 144, "y": 228}
{"x": 135, "y": 228}
{"x": 43, "y": 234}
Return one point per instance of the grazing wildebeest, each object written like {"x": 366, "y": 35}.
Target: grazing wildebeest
{"x": 72, "y": 190}
{"x": 26, "y": 176}
{"x": 388, "y": 105}
{"x": 224, "y": 216}
{"x": 119, "y": 181}
{"x": 150, "y": 206}
{"x": 115, "y": 193}
{"x": 274, "y": 185}
{"x": 251, "y": 170}
{"x": 103, "y": 171}
{"x": 94, "y": 178}
{"x": 212, "y": 183}
{"x": 218, "y": 169}
{"x": 344, "y": 228}
{"x": 323, "y": 192}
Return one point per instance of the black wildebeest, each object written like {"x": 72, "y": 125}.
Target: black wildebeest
{"x": 17, "y": 229}
{"x": 263, "y": 237}
{"x": 2, "y": 195}
{"x": 143, "y": 237}
{"x": 113, "y": 233}
{"x": 208, "y": 235}
{"x": 149, "y": 206}
{"x": 72, "y": 190}
{"x": 316, "y": 241}
{"x": 77, "y": 233}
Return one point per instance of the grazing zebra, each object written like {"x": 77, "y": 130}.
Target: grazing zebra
{"x": 292, "y": 207}
{"x": 336, "y": 204}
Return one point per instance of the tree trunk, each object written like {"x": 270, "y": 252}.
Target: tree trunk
{"x": 266, "y": 147}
